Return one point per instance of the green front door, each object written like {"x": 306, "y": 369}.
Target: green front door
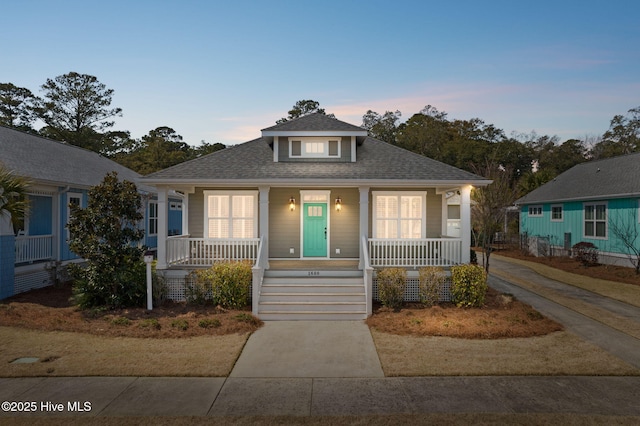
{"x": 314, "y": 230}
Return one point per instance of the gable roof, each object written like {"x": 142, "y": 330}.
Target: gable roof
{"x": 252, "y": 162}
{"x": 615, "y": 177}
{"x": 56, "y": 163}
{"x": 315, "y": 122}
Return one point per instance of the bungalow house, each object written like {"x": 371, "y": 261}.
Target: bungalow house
{"x": 596, "y": 202}
{"x": 59, "y": 175}
{"x": 316, "y": 204}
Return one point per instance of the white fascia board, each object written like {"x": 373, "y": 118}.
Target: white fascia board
{"x": 313, "y": 183}
{"x": 585, "y": 198}
{"x": 314, "y": 133}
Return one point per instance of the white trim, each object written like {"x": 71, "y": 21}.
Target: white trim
{"x": 149, "y": 217}
{"x": 276, "y": 149}
{"x": 595, "y": 220}
{"x": 353, "y": 149}
{"x": 535, "y": 207}
{"x": 307, "y": 196}
{"x": 314, "y": 133}
{"x": 230, "y": 194}
{"x": 71, "y": 195}
{"x": 399, "y": 194}
{"x": 306, "y": 142}
{"x": 561, "y": 212}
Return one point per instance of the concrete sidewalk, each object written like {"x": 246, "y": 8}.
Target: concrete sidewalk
{"x": 147, "y": 396}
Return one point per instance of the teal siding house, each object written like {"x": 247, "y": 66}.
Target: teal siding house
{"x": 60, "y": 175}
{"x": 596, "y": 202}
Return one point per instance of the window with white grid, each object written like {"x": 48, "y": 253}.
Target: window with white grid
{"x": 399, "y": 215}
{"x": 231, "y": 214}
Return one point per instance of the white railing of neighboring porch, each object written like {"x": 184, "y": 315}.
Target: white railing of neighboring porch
{"x": 186, "y": 251}
{"x": 415, "y": 253}
{"x": 33, "y": 248}
{"x": 258, "y": 275}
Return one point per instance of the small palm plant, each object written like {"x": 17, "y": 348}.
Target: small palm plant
{"x": 13, "y": 195}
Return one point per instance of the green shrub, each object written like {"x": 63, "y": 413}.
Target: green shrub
{"x": 468, "y": 285}
{"x": 123, "y": 321}
{"x": 198, "y": 286}
{"x": 432, "y": 280}
{"x": 391, "y": 285}
{"x": 209, "y": 323}
{"x": 586, "y": 253}
{"x": 180, "y": 324}
{"x": 226, "y": 284}
{"x": 150, "y": 323}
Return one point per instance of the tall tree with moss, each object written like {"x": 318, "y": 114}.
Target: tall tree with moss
{"x": 76, "y": 108}
{"x": 107, "y": 236}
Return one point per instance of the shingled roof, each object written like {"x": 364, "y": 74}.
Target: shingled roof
{"x": 314, "y": 122}
{"x": 57, "y": 163}
{"x": 253, "y": 162}
{"x": 616, "y": 177}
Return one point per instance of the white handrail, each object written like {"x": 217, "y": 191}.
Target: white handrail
{"x": 206, "y": 251}
{"x": 258, "y": 276}
{"x": 367, "y": 273}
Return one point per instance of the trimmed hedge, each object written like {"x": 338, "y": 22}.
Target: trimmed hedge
{"x": 468, "y": 285}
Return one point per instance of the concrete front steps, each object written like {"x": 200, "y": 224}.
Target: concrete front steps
{"x": 331, "y": 296}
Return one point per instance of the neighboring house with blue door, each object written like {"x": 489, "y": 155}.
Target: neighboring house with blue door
{"x": 596, "y": 202}
{"x": 60, "y": 175}
{"x": 316, "y": 204}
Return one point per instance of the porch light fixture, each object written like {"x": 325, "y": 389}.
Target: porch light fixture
{"x": 338, "y": 204}
{"x": 292, "y": 204}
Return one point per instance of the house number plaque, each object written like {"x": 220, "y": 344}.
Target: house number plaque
{"x": 313, "y": 273}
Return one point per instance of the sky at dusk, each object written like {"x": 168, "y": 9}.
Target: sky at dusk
{"x": 220, "y": 71}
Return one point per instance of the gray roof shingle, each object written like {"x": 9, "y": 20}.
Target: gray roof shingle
{"x": 609, "y": 178}
{"x": 46, "y": 160}
{"x": 253, "y": 162}
{"x": 315, "y": 122}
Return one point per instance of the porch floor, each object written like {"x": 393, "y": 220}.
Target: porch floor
{"x": 308, "y": 264}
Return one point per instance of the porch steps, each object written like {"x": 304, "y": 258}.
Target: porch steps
{"x": 327, "y": 297}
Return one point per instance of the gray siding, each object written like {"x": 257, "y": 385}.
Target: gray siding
{"x": 345, "y": 228}
{"x": 196, "y": 214}
{"x": 283, "y": 153}
{"x": 284, "y": 224}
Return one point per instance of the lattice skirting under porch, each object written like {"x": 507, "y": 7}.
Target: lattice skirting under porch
{"x": 176, "y": 286}
{"x": 411, "y": 292}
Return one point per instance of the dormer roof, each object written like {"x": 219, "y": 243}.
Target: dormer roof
{"x": 315, "y": 124}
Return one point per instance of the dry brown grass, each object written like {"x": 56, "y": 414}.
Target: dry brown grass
{"x": 558, "y": 353}
{"x": 79, "y": 354}
{"x": 501, "y": 316}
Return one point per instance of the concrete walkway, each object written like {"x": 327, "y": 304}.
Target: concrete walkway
{"x": 309, "y": 349}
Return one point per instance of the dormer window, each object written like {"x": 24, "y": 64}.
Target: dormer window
{"x": 314, "y": 147}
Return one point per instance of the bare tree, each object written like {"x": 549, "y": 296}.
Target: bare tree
{"x": 490, "y": 204}
{"x": 627, "y": 230}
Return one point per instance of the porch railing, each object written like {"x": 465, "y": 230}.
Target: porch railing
{"x": 186, "y": 251}
{"x": 34, "y": 248}
{"x": 414, "y": 253}
{"x": 258, "y": 275}
{"x": 367, "y": 274}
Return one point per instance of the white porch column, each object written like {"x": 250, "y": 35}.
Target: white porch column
{"x": 444, "y": 229}
{"x": 163, "y": 227}
{"x": 364, "y": 219}
{"x": 185, "y": 214}
{"x": 465, "y": 222}
{"x": 264, "y": 220}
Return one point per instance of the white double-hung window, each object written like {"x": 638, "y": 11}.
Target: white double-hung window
{"x": 230, "y": 214}
{"x": 595, "y": 220}
{"x": 399, "y": 215}
{"x": 315, "y": 147}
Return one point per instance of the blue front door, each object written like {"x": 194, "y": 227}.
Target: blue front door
{"x": 314, "y": 230}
